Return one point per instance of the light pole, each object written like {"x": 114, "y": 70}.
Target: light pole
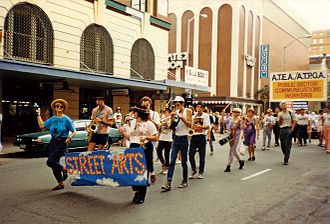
{"x": 285, "y": 47}
{"x": 188, "y": 35}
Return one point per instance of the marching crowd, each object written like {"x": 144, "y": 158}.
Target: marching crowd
{"x": 180, "y": 132}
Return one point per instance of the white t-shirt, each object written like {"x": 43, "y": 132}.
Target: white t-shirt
{"x": 145, "y": 128}
{"x": 269, "y": 120}
{"x": 182, "y": 129}
{"x": 302, "y": 119}
{"x": 287, "y": 117}
{"x": 165, "y": 132}
{"x": 326, "y": 118}
{"x": 202, "y": 120}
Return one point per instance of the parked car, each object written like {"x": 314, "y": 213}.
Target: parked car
{"x": 38, "y": 142}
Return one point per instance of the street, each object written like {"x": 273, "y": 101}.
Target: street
{"x": 297, "y": 193}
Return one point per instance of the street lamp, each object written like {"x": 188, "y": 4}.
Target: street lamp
{"x": 188, "y": 35}
{"x": 307, "y": 36}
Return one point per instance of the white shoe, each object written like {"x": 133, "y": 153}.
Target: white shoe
{"x": 200, "y": 176}
{"x": 194, "y": 175}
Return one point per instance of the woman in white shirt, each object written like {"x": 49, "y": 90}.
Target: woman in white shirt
{"x": 142, "y": 133}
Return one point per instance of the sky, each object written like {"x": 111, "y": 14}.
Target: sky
{"x": 316, "y": 13}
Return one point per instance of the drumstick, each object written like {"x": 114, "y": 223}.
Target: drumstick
{"x": 227, "y": 106}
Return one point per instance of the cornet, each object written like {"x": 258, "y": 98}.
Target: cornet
{"x": 191, "y": 132}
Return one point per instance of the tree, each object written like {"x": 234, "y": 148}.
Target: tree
{"x": 263, "y": 94}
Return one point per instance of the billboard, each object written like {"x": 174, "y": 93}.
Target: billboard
{"x": 298, "y": 86}
{"x": 196, "y": 76}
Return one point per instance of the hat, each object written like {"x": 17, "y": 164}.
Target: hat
{"x": 66, "y": 105}
{"x": 178, "y": 99}
{"x": 146, "y": 98}
{"x": 140, "y": 109}
{"x": 99, "y": 98}
{"x": 237, "y": 109}
{"x": 200, "y": 103}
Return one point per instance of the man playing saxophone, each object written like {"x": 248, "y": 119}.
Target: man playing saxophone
{"x": 102, "y": 118}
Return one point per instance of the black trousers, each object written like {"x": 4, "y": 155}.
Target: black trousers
{"x": 148, "y": 151}
{"x": 276, "y": 130}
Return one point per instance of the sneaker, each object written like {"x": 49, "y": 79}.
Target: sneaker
{"x": 211, "y": 153}
{"x": 277, "y": 144}
{"x": 285, "y": 163}
{"x": 241, "y": 164}
{"x": 165, "y": 172}
{"x": 263, "y": 148}
{"x": 200, "y": 176}
{"x": 58, "y": 187}
{"x": 183, "y": 184}
{"x": 309, "y": 141}
{"x": 153, "y": 178}
{"x": 193, "y": 175}
{"x": 268, "y": 148}
{"x": 253, "y": 158}
{"x": 166, "y": 187}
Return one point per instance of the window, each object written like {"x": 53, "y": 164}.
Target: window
{"x": 28, "y": 34}
{"x": 314, "y": 41}
{"x": 142, "y": 60}
{"x": 140, "y": 5}
{"x": 321, "y": 41}
{"x": 96, "y": 50}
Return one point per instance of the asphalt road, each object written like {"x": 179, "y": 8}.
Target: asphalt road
{"x": 297, "y": 193}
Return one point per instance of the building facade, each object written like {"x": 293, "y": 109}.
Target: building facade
{"x": 77, "y": 50}
{"x": 224, "y": 38}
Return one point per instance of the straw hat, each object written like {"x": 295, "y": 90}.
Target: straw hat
{"x": 66, "y": 105}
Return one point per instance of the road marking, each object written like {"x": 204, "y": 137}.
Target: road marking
{"x": 256, "y": 174}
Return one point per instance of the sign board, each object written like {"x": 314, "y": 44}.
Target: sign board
{"x": 264, "y": 59}
{"x": 298, "y": 86}
{"x": 125, "y": 167}
{"x": 119, "y": 92}
{"x": 175, "y": 60}
{"x": 196, "y": 76}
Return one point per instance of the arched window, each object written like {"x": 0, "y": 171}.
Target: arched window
{"x": 142, "y": 60}
{"x": 96, "y": 50}
{"x": 28, "y": 34}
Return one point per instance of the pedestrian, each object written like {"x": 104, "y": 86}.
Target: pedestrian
{"x": 286, "y": 122}
{"x": 326, "y": 128}
{"x": 210, "y": 135}
{"x": 276, "y": 128}
{"x": 234, "y": 127}
{"x": 251, "y": 132}
{"x": 303, "y": 123}
{"x": 295, "y": 132}
{"x": 126, "y": 128}
{"x": 143, "y": 131}
{"x": 154, "y": 118}
{"x": 200, "y": 126}
{"x": 319, "y": 128}
{"x": 102, "y": 118}
{"x": 165, "y": 140}
{"x": 59, "y": 126}
{"x": 181, "y": 119}
{"x": 268, "y": 124}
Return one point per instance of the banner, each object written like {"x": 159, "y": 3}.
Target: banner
{"x": 119, "y": 167}
{"x": 298, "y": 86}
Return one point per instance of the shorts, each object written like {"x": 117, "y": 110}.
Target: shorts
{"x": 249, "y": 137}
{"x": 99, "y": 138}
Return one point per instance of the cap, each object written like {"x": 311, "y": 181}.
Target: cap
{"x": 200, "y": 103}
{"x": 99, "y": 98}
{"x": 237, "y": 109}
{"x": 178, "y": 99}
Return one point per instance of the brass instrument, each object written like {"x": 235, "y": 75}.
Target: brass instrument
{"x": 91, "y": 129}
{"x": 191, "y": 132}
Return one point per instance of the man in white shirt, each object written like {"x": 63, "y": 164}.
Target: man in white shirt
{"x": 287, "y": 123}
{"x": 303, "y": 122}
{"x": 200, "y": 126}
{"x": 269, "y": 122}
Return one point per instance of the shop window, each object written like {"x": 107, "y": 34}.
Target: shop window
{"x": 96, "y": 51}
{"x": 142, "y": 60}
{"x": 140, "y": 5}
{"x": 28, "y": 34}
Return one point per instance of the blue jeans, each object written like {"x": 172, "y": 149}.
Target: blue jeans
{"x": 286, "y": 142}
{"x": 179, "y": 143}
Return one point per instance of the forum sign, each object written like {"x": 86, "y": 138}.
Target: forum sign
{"x": 298, "y": 86}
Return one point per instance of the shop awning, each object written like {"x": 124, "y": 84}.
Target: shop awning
{"x": 183, "y": 86}
{"x": 44, "y": 73}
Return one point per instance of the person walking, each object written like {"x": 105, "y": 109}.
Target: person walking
{"x": 142, "y": 132}
{"x": 182, "y": 118}
{"x": 286, "y": 122}
{"x": 102, "y": 118}
{"x": 326, "y": 128}
{"x": 268, "y": 124}
{"x": 303, "y": 123}
{"x": 276, "y": 128}
{"x": 234, "y": 126}
{"x": 165, "y": 140}
{"x": 59, "y": 126}
{"x": 200, "y": 127}
{"x": 251, "y": 131}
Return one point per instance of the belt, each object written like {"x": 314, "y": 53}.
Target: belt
{"x": 59, "y": 138}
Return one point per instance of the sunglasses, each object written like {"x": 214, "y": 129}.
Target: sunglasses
{"x": 235, "y": 112}
{"x": 177, "y": 104}
{"x": 59, "y": 106}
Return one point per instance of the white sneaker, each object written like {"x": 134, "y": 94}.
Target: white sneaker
{"x": 200, "y": 176}
{"x": 194, "y": 175}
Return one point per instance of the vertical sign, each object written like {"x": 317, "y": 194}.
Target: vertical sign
{"x": 264, "y": 55}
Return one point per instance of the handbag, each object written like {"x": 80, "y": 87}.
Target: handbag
{"x": 225, "y": 139}
{"x": 242, "y": 149}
